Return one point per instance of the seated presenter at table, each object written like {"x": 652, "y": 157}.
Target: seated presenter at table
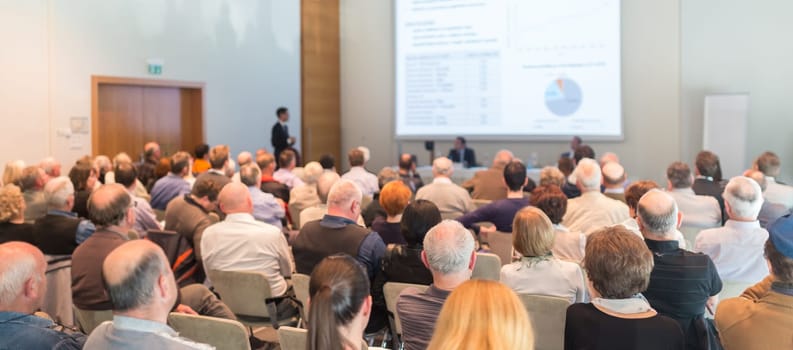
{"x": 462, "y": 154}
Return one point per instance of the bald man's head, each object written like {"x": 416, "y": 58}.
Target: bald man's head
{"x": 137, "y": 275}
{"x": 658, "y": 213}
{"x": 110, "y": 205}
{"x": 235, "y": 198}
{"x": 22, "y": 281}
{"x": 502, "y": 158}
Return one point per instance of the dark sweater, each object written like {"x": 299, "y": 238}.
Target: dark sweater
{"x": 587, "y": 328}
{"x": 16, "y": 232}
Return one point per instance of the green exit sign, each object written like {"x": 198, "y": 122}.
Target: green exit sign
{"x": 155, "y": 66}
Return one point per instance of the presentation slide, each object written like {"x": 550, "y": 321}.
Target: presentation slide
{"x": 508, "y": 68}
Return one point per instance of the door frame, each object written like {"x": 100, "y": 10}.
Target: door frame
{"x": 97, "y": 80}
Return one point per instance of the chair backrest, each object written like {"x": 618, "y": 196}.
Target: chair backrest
{"x": 58, "y": 298}
{"x": 90, "y": 319}
{"x": 391, "y": 290}
{"x": 690, "y": 234}
{"x": 501, "y": 245}
{"x": 300, "y": 284}
{"x": 291, "y": 338}
{"x": 487, "y": 267}
{"x": 221, "y": 333}
{"x": 179, "y": 252}
{"x": 547, "y": 315}
{"x": 243, "y": 292}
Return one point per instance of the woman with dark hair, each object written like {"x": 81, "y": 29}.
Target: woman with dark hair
{"x": 402, "y": 262}
{"x": 83, "y": 177}
{"x": 339, "y": 304}
{"x": 568, "y": 246}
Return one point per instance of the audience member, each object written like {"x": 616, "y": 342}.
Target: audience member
{"x": 219, "y": 163}
{"x": 452, "y": 200}
{"x": 375, "y": 210}
{"x": 682, "y": 283}
{"x": 460, "y": 153}
{"x": 191, "y": 214}
{"x": 31, "y": 181}
{"x": 13, "y": 171}
{"x": 574, "y": 143}
{"x": 337, "y": 232}
{"x": 83, "y": 178}
{"x": 201, "y": 162}
{"x": 407, "y": 172}
{"x": 266, "y": 208}
{"x": 633, "y": 193}
{"x": 172, "y": 185}
{"x": 608, "y": 157}
{"x": 489, "y": 184}
{"x": 618, "y": 265}
{"x": 699, "y": 212}
{"x": 279, "y": 136}
{"x": 286, "y": 163}
{"x": 501, "y": 212}
{"x": 538, "y": 271}
{"x": 142, "y": 291}
{"x": 328, "y": 162}
{"x": 551, "y": 176}
{"x": 482, "y": 314}
{"x": 614, "y": 177}
{"x": 737, "y": 248}
{"x": 324, "y": 184}
{"x": 592, "y": 210}
{"x": 402, "y": 262}
{"x": 365, "y": 180}
{"x": 103, "y": 166}
{"x": 570, "y": 188}
{"x": 51, "y": 167}
{"x": 145, "y": 219}
{"x": 768, "y": 163}
{"x": 147, "y": 166}
{"x": 770, "y": 211}
{"x": 23, "y": 287}
{"x": 240, "y": 243}
{"x": 568, "y": 246}
{"x": 60, "y": 231}
{"x": 394, "y": 197}
{"x": 12, "y": 216}
{"x": 708, "y": 180}
{"x": 266, "y": 163}
{"x": 449, "y": 255}
{"x": 761, "y": 317}
{"x": 110, "y": 178}
{"x": 339, "y": 304}
{"x": 162, "y": 170}
{"x": 303, "y": 197}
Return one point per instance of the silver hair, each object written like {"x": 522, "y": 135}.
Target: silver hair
{"x": 448, "y": 246}
{"x": 442, "y": 166}
{"x": 744, "y": 196}
{"x": 250, "y": 175}
{"x": 311, "y": 172}
{"x": 16, "y": 267}
{"x": 587, "y": 172}
{"x": 502, "y": 158}
{"x": 102, "y": 162}
{"x": 344, "y": 192}
{"x": 122, "y": 157}
{"x": 58, "y": 191}
{"x": 49, "y": 164}
{"x": 663, "y": 222}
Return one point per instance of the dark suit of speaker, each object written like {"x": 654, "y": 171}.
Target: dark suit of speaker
{"x": 468, "y": 160}
{"x": 279, "y": 138}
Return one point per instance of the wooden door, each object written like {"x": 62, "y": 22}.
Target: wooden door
{"x": 320, "y": 80}
{"x": 127, "y": 113}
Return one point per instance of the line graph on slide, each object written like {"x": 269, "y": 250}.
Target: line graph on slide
{"x": 563, "y": 97}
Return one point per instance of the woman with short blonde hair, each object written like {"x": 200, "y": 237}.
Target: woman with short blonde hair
{"x": 481, "y": 314}
{"x": 538, "y": 271}
{"x": 12, "y": 216}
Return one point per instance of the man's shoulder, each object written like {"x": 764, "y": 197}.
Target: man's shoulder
{"x": 734, "y": 311}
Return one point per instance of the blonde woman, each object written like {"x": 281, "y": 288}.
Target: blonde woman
{"x": 538, "y": 271}
{"x": 13, "y": 171}
{"x": 482, "y": 314}
{"x": 12, "y": 216}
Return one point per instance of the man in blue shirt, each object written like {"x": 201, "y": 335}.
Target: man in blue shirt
{"x": 266, "y": 208}
{"x": 22, "y": 289}
{"x": 501, "y": 212}
{"x": 172, "y": 185}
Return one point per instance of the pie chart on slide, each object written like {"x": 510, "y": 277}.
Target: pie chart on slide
{"x": 563, "y": 97}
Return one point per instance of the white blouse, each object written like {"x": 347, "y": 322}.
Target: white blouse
{"x": 546, "y": 276}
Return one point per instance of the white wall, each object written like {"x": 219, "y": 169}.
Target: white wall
{"x": 740, "y": 46}
{"x": 246, "y": 51}
{"x": 651, "y": 80}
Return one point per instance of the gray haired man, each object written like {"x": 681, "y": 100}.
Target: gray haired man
{"x": 450, "y": 256}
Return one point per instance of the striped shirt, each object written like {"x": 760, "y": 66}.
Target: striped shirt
{"x": 418, "y": 312}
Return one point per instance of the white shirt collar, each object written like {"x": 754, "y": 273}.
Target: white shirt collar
{"x": 442, "y": 180}
{"x": 236, "y": 217}
{"x": 614, "y": 190}
{"x": 742, "y": 225}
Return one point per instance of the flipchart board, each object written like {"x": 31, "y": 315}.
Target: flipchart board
{"x": 724, "y": 131}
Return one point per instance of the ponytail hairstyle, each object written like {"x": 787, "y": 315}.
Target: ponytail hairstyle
{"x": 337, "y": 290}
